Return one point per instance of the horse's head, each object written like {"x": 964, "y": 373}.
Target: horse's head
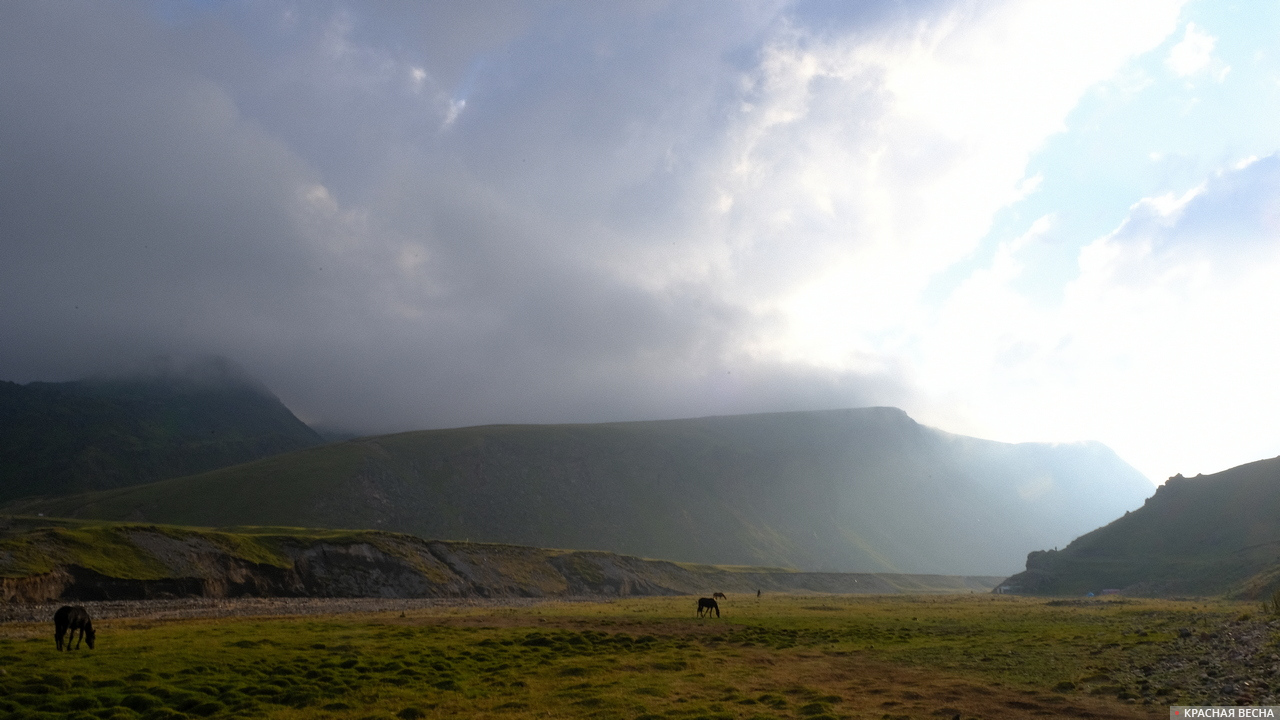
{"x": 89, "y": 634}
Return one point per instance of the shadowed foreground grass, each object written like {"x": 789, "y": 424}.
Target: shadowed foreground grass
{"x": 780, "y": 657}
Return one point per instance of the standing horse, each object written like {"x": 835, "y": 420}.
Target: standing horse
{"x": 75, "y": 618}
{"x": 707, "y": 605}
{"x": 719, "y": 596}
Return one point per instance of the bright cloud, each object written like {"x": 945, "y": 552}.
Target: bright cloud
{"x": 863, "y": 168}
{"x": 1161, "y": 344}
{"x": 424, "y": 215}
{"x": 1193, "y": 54}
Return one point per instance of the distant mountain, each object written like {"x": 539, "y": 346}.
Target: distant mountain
{"x": 866, "y": 490}
{"x": 1208, "y": 535}
{"x": 60, "y": 438}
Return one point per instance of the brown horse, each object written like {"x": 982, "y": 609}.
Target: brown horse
{"x": 73, "y": 618}
{"x": 707, "y": 605}
{"x": 719, "y": 596}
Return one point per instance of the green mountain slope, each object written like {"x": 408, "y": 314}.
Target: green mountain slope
{"x": 1207, "y": 535}
{"x": 865, "y": 490}
{"x": 60, "y": 438}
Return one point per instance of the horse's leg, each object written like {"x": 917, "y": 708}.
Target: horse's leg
{"x": 73, "y": 632}
{"x": 57, "y": 637}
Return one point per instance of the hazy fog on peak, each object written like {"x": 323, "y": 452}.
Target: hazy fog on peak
{"x": 408, "y": 215}
{"x": 212, "y": 371}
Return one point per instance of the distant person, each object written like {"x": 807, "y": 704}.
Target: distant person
{"x": 757, "y": 594}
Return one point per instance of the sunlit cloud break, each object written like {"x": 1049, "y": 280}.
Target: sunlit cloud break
{"x": 1042, "y": 221}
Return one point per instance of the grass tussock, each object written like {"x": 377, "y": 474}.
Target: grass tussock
{"x": 1271, "y": 606}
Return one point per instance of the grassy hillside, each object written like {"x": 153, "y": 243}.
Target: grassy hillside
{"x": 61, "y": 438}
{"x": 1211, "y": 534}
{"x": 866, "y": 490}
{"x": 47, "y": 560}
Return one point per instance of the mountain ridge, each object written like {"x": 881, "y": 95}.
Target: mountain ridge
{"x": 851, "y": 490}
{"x": 1206, "y": 535}
{"x": 101, "y": 433}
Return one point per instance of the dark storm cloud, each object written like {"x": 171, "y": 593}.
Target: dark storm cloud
{"x": 138, "y": 204}
{"x": 397, "y": 215}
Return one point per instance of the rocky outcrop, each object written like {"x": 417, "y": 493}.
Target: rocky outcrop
{"x": 174, "y": 563}
{"x": 35, "y": 588}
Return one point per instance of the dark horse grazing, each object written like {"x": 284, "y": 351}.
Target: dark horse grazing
{"x": 719, "y": 596}
{"x": 75, "y": 618}
{"x": 707, "y": 605}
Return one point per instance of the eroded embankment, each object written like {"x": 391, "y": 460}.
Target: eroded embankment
{"x": 125, "y": 562}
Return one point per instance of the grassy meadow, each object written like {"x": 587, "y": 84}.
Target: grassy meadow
{"x": 782, "y": 656}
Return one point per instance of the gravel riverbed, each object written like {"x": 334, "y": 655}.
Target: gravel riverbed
{"x": 1236, "y": 663}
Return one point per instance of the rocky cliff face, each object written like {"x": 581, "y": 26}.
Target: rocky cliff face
{"x": 171, "y": 562}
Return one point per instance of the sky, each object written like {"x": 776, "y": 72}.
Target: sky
{"x": 1024, "y": 220}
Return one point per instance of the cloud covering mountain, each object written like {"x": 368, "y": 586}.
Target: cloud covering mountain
{"x": 413, "y": 215}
